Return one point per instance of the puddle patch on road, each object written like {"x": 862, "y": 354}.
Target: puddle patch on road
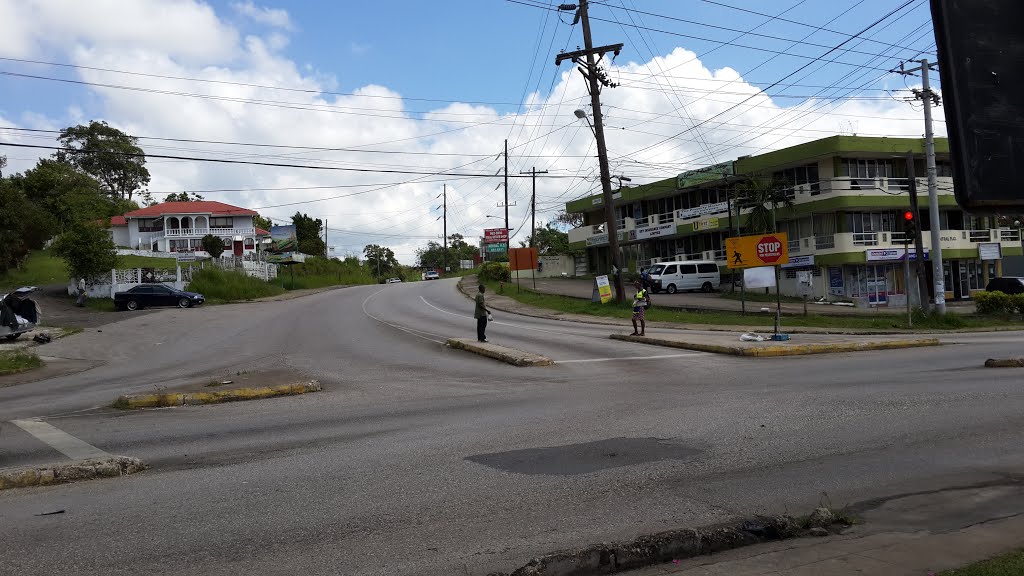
{"x": 587, "y": 457}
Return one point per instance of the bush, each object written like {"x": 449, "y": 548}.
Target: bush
{"x": 225, "y": 285}
{"x": 937, "y": 321}
{"x": 213, "y": 245}
{"x": 495, "y": 272}
{"x": 996, "y": 303}
{"x": 1018, "y": 302}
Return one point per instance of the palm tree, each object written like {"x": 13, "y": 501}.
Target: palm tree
{"x": 762, "y": 196}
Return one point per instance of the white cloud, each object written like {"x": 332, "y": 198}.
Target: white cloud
{"x": 270, "y": 16}
{"x": 457, "y": 137}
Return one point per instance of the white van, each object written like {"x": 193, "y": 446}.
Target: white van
{"x": 686, "y": 275}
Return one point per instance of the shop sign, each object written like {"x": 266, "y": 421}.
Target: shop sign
{"x": 702, "y": 210}
{"x": 655, "y": 231}
{"x": 799, "y": 262}
{"x": 890, "y": 254}
{"x": 990, "y": 251}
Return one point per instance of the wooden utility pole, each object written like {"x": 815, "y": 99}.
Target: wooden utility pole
{"x": 444, "y": 194}
{"x": 596, "y": 78}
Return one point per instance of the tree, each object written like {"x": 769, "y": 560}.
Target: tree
{"x": 261, "y": 222}
{"x": 430, "y": 257}
{"x": 23, "y": 225}
{"x": 183, "y": 197}
{"x": 762, "y": 197}
{"x": 213, "y": 245}
{"x": 107, "y": 154}
{"x": 308, "y": 235}
{"x": 87, "y": 249}
{"x": 570, "y": 219}
{"x": 3, "y": 164}
{"x": 550, "y": 240}
{"x": 380, "y": 259}
{"x": 65, "y": 193}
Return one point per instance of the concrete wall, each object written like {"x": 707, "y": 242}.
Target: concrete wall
{"x": 556, "y": 266}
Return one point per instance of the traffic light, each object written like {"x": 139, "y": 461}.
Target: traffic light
{"x": 910, "y": 225}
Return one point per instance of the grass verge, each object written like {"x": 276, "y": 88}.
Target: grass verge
{"x": 225, "y": 286}
{"x": 42, "y": 268}
{"x": 1011, "y": 564}
{"x": 16, "y": 361}
{"x": 758, "y": 296}
{"x": 922, "y": 321}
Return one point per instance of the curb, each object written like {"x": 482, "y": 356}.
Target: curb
{"x": 507, "y": 355}
{"x": 131, "y": 401}
{"x": 48, "y": 474}
{"x": 660, "y": 548}
{"x": 1004, "y": 363}
{"x": 775, "y": 351}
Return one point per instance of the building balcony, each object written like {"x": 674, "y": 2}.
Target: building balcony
{"x": 950, "y": 240}
{"x": 592, "y": 234}
{"x": 198, "y": 233}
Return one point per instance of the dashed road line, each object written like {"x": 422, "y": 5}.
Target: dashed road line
{"x": 60, "y": 441}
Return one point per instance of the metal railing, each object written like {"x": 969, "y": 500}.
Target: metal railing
{"x": 865, "y": 238}
{"x": 180, "y": 232}
{"x": 980, "y": 235}
{"x": 794, "y": 246}
{"x": 825, "y": 241}
{"x": 1008, "y": 235}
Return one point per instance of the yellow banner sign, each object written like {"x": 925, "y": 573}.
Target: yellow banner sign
{"x": 706, "y": 224}
{"x": 604, "y": 289}
{"x": 759, "y": 250}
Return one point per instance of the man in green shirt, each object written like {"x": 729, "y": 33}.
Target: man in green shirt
{"x": 481, "y": 313}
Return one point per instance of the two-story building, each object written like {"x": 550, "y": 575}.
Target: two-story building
{"x": 844, "y": 220}
{"x": 180, "y": 227}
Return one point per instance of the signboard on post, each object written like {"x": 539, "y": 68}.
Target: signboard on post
{"x": 602, "y": 290}
{"x": 185, "y": 257}
{"x": 758, "y": 250}
{"x": 522, "y": 259}
{"x": 495, "y": 235}
{"x": 492, "y": 248}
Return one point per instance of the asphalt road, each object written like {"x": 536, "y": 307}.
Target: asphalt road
{"x": 418, "y": 459}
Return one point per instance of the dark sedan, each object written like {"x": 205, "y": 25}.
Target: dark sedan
{"x": 150, "y": 295}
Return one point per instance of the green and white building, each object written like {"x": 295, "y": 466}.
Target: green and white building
{"x": 845, "y": 223}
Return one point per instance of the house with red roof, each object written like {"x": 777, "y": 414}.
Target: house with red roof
{"x": 180, "y": 227}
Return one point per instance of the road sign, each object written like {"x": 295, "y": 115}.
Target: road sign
{"x": 759, "y": 250}
{"x": 495, "y": 235}
{"x": 499, "y": 247}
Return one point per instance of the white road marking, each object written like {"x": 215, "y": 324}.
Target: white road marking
{"x": 509, "y": 323}
{"x": 629, "y": 358}
{"x": 60, "y": 441}
{"x": 413, "y": 331}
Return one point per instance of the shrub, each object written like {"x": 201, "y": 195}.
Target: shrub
{"x": 213, "y": 245}
{"x": 1018, "y": 302}
{"x": 495, "y": 272}
{"x": 218, "y": 284}
{"x": 995, "y": 303}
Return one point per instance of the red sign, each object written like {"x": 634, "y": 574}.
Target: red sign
{"x": 769, "y": 249}
{"x": 495, "y": 235}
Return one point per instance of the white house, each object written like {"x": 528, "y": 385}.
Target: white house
{"x": 180, "y": 227}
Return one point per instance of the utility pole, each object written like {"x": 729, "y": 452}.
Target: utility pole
{"x": 928, "y": 98}
{"x": 533, "y": 202}
{"x": 922, "y": 277}
{"x": 506, "y": 184}
{"x": 596, "y": 78}
{"x": 444, "y": 193}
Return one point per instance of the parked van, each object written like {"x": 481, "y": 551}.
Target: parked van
{"x": 686, "y": 275}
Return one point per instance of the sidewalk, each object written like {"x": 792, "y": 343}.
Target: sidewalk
{"x": 909, "y": 536}
{"x": 583, "y": 288}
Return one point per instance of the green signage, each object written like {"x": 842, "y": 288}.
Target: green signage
{"x": 706, "y": 174}
{"x": 497, "y": 247}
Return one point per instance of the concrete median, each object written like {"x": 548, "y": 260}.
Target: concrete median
{"x": 162, "y": 400}
{"x": 507, "y": 355}
{"x": 775, "y": 349}
{"x": 48, "y": 474}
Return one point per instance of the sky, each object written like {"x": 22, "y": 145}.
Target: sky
{"x": 379, "y": 108}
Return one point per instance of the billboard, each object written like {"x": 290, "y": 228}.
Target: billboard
{"x": 522, "y": 258}
{"x": 282, "y": 239}
{"x": 495, "y": 235}
{"x": 706, "y": 174}
{"x": 981, "y": 47}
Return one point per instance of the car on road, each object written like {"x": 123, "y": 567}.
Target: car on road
{"x": 432, "y": 275}
{"x": 393, "y": 281}
{"x": 153, "y": 295}
{"x": 1006, "y": 285}
{"x": 688, "y": 275}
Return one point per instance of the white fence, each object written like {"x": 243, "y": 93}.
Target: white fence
{"x": 124, "y": 279}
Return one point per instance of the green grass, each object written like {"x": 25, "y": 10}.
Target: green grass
{"x": 873, "y": 322}
{"x": 321, "y": 273}
{"x": 15, "y": 361}
{"x": 223, "y": 286}
{"x": 99, "y": 304}
{"x": 758, "y": 296}
{"x": 42, "y": 268}
{"x": 1011, "y": 564}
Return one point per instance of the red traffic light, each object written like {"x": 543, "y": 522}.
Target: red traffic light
{"x": 908, "y": 215}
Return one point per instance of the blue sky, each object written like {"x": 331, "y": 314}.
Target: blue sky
{"x": 689, "y": 95}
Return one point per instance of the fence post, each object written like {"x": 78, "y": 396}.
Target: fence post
{"x": 113, "y": 282}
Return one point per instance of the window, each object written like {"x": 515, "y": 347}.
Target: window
{"x": 807, "y": 174}
{"x": 250, "y": 244}
{"x": 688, "y": 269}
{"x": 151, "y": 224}
{"x": 160, "y": 290}
{"x": 142, "y": 290}
{"x": 227, "y": 242}
{"x": 222, "y": 222}
{"x": 859, "y": 169}
{"x": 671, "y": 269}
{"x": 944, "y": 169}
{"x": 707, "y": 268}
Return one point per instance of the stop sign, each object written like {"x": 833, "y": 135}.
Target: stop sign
{"x": 769, "y": 249}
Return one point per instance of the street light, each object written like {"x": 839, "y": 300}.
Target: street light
{"x": 614, "y": 256}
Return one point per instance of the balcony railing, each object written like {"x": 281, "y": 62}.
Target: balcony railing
{"x": 719, "y": 255}
{"x": 188, "y": 232}
{"x": 865, "y": 238}
{"x": 1009, "y": 235}
{"x": 794, "y": 246}
{"x": 980, "y": 235}
{"x": 824, "y": 241}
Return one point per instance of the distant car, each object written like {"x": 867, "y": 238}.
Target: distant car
{"x": 1006, "y": 285}
{"x": 394, "y": 281}
{"x": 152, "y": 295}
{"x": 431, "y": 276}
